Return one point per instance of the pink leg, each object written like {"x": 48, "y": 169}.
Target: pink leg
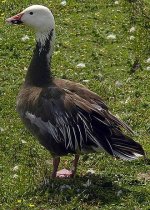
{"x": 74, "y": 165}
{"x": 56, "y": 162}
{"x": 64, "y": 173}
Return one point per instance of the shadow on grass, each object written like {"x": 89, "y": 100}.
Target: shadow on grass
{"x": 88, "y": 189}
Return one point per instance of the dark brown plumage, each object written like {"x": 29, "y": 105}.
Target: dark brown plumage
{"x": 65, "y": 116}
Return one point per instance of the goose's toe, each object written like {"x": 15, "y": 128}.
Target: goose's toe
{"x": 64, "y": 173}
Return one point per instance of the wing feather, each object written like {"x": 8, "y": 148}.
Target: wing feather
{"x": 73, "y": 124}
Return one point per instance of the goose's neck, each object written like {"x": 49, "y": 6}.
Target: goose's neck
{"x": 39, "y": 71}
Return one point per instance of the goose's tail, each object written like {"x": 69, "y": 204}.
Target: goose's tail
{"x": 126, "y": 148}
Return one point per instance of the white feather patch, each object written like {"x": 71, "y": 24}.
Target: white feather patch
{"x": 43, "y": 37}
{"x": 43, "y": 126}
{"x": 137, "y": 155}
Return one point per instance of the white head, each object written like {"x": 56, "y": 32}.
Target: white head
{"x": 38, "y": 17}
{"x": 41, "y": 20}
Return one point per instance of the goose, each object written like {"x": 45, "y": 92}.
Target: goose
{"x": 66, "y": 117}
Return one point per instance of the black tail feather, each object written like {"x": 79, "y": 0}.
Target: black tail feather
{"x": 126, "y": 148}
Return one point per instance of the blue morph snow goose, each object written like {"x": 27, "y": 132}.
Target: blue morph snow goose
{"x": 65, "y": 116}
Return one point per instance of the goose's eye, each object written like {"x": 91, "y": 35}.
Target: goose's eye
{"x": 31, "y": 13}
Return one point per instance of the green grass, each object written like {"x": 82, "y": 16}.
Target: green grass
{"x": 82, "y": 27}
